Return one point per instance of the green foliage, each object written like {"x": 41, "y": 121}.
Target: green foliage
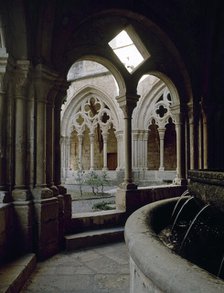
{"x": 92, "y": 179}
{"x": 80, "y": 179}
{"x": 102, "y": 206}
{"x": 95, "y": 181}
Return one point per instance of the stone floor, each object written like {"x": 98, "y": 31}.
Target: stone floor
{"x": 101, "y": 269}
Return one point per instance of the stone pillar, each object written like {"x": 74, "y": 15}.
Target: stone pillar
{"x": 200, "y": 147}
{"x": 145, "y": 149}
{"x": 180, "y": 176}
{"x": 119, "y": 136}
{"x": 161, "y": 139}
{"x": 205, "y": 143}
{"x": 64, "y": 199}
{"x": 50, "y": 142}
{"x": 191, "y": 137}
{"x": 127, "y": 104}
{"x": 140, "y": 152}
{"x": 91, "y": 137}
{"x": 80, "y": 138}
{"x": 46, "y": 206}
{"x": 135, "y": 146}
{"x": 23, "y": 205}
{"x": 105, "y": 135}
{"x": 3, "y": 124}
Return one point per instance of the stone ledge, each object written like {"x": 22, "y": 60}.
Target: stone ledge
{"x": 14, "y": 274}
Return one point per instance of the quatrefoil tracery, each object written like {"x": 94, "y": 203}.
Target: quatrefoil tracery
{"x": 92, "y": 112}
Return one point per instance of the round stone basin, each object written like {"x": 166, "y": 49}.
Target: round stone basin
{"x": 153, "y": 266}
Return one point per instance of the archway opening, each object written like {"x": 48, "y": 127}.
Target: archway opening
{"x": 91, "y": 122}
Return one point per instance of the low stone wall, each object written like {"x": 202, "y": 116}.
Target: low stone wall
{"x": 131, "y": 200}
{"x": 153, "y": 266}
{"x": 34, "y": 226}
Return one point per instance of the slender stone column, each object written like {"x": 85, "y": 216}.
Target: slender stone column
{"x": 119, "y": 137}
{"x": 50, "y": 142}
{"x": 205, "y": 143}
{"x": 140, "y": 156}
{"x": 135, "y": 145}
{"x": 3, "y": 125}
{"x": 21, "y": 80}
{"x": 127, "y": 104}
{"x": 80, "y": 138}
{"x": 105, "y": 135}
{"x": 191, "y": 138}
{"x": 161, "y": 138}
{"x": 180, "y": 176}
{"x": 200, "y": 147}
{"x": 23, "y": 206}
{"x": 145, "y": 149}
{"x": 91, "y": 137}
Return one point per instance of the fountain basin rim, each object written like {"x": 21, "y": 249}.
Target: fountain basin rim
{"x": 166, "y": 270}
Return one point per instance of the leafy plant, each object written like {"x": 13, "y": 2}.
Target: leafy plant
{"x": 80, "y": 179}
{"x": 93, "y": 180}
{"x": 102, "y": 206}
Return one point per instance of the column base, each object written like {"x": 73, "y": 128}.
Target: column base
{"x": 128, "y": 186}
{"x": 21, "y": 194}
{"x": 42, "y": 193}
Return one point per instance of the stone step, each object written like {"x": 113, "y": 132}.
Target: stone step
{"x": 97, "y": 220}
{"x": 92, "y": 238}
{"x": 14, "y": 274}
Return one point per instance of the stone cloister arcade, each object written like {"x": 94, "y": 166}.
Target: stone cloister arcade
{"x": 93, "y": 128}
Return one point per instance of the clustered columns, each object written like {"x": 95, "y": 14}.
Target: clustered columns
{"x": 127, "y": 103}
{"x": 140, "y": 147}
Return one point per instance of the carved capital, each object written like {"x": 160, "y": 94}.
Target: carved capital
{"x": 127, "y": 104}
{"x": 21, "y": 71}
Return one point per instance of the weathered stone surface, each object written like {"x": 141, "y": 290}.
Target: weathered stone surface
{"x": 158, "y": 269}
{"x": 101, "y": 269}
{"x": 208, "y": 186}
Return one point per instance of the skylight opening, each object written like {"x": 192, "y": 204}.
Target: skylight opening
{"x": 129, "y": 49}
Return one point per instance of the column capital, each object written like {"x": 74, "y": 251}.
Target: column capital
{"x": 21, "y": 77}
{"x": 127, "y": 103}
{"x": 161, "y": 132}
{"x": 178, "y": 118}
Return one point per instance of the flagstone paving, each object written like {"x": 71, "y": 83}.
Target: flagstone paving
{"x": 101, "y": 269}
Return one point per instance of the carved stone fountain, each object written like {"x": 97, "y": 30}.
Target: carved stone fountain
{"x": 177, "y": 245}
